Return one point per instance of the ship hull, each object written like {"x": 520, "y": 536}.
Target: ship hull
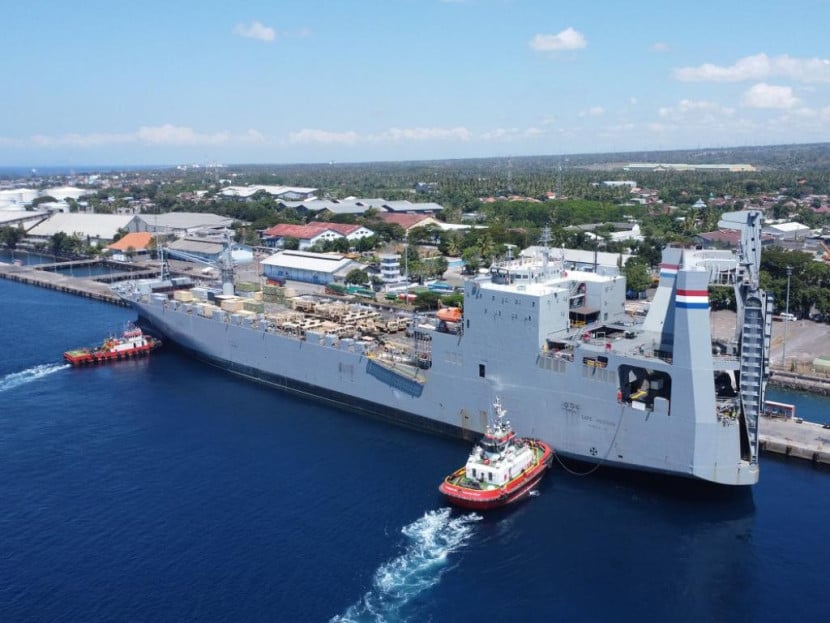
{"x": 579, "y": 415}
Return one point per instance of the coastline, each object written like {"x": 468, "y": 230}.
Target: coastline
{"x": 797, "y": 381}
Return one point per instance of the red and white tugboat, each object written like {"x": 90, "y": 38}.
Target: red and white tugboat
{"x": 502, "y": 467}
{"x": 132, "y": 343}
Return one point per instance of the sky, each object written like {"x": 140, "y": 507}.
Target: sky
{"x": 288, "y": 81}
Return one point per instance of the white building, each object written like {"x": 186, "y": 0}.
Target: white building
{"x": 311, "y": 234}
{"x": 62, "y": 193}
{"x": 390, "y": 267}
{"x": 182, "y": 224}
{"x": 288, "y": 193}
{"x": 95, "y": 229}
{"x": 321, "y": 268}
{"x": 789, "y": 231}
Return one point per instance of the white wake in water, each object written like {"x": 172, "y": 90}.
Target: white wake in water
{"x": 432, "y": 538}
{"x": 16, "y": 379}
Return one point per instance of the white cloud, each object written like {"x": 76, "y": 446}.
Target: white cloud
{"x": 256, "y": 30}
{"x": 694, "y": 110}
{"x": 173, "y": 135}
{"x": 568, "y": 39}
{"x": 764, "y": 95}
{"x": 392, "y": 135}
{"x": 81, "y": 140}
{"x": 659, "y": 46}
{"x": 593, "y": 111}
{"x": 758, "y": 67}
{"x": 308, "y": 135}
{"x": 424, "y": 134}
{"x": 511, "y": 134}
{"x": 167, "y": 134}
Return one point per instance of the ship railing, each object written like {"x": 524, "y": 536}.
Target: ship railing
{"x": 650, "y": 353}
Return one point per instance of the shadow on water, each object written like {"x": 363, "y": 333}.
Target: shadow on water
{"x": 660, "y": 547}
{"x": 662, "y": 487}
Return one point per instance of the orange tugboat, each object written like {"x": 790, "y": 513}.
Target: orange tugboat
{"x": 132, "y": 343}
{"x": 502, "y": 468}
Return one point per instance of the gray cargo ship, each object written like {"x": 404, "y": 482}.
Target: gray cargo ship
{"x": 580, "y": 372}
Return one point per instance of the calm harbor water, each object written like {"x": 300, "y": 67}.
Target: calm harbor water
{"x": 24, "y": 257}
{"x": 165, "y": 490}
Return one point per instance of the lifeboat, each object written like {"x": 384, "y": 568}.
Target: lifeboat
{"x": 449, "y": 314}
{"x": 501, "y": 469}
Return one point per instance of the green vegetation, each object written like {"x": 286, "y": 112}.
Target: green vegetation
{"x": 637, "y": 274}
{"x": 11, "y": 236}
{"x": 809, "y": 282}
{"x": 511, "y": 203}
{"x": 357, "y": 276}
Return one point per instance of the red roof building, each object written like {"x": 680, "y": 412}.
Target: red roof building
{"x": 139, "y": 241}
{"x": 312, "y": 233}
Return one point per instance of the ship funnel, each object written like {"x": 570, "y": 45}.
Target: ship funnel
{"x": 660, "y": 318}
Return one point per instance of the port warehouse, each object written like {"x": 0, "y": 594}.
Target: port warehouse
{"x": 102, "y": 229}
{"x": 322, "y": 268}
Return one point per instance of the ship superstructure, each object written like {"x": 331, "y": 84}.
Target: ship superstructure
{"x": 556, "y": 342}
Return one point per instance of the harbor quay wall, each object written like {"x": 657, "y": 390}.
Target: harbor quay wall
{"x": 62, "y": 283}
{"x": 795, "y": 438}
{"x": 800, "y": 382}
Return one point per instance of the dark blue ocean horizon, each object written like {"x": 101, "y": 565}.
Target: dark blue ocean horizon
{"x": 166, "y": 490}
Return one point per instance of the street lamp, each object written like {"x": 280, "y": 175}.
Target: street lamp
{"x": 786, "y": 318}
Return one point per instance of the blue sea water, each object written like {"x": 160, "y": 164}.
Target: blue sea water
{"x": 24, "y": 257}
{"x": 166, "y": 490}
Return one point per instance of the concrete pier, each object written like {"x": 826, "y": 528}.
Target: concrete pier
{"x": 798, "y": 439}
{"x": 63, "y": 283}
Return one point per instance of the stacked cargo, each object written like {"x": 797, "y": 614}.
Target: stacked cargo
{"x": 183, "y": 296}
{"x": 273, "y": 294}
{"x": 231, "y": 304}
{"x": 205, "y": 309}
{"x": 199, "y": 293}
{"x": 252, "y": 305}
{"x": 305, "y": 305}
{"x": 248, "y": 286}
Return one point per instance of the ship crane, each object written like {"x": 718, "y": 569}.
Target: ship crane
{"x": 224, "y": 263}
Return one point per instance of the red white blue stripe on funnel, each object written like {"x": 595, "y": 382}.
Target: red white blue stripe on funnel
{"x": 692, "y": 299}
{"x": 668, "y": 270}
